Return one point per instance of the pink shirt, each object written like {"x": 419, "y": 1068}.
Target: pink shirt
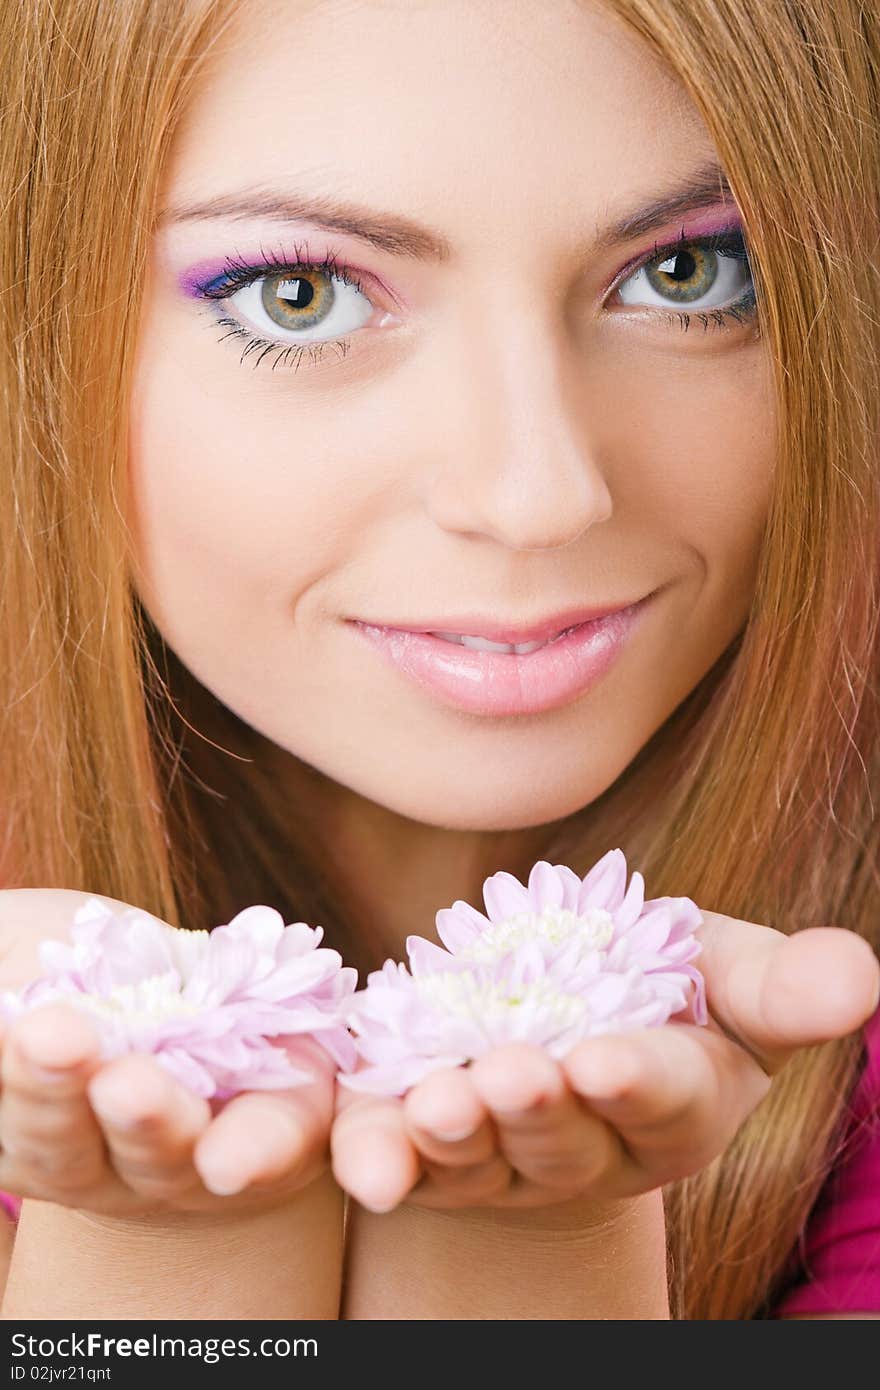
{"x": 836, "y": 1265}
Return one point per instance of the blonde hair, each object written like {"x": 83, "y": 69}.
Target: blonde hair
{"x": 121, "y": 775}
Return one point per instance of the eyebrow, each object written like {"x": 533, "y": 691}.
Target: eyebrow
{"x": 400, "y": 236}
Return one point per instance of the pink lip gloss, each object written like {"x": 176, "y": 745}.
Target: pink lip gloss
{"x": 504, "y": 683}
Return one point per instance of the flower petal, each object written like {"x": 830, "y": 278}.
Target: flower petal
{"x": 545, "y": 887}
{"x": 604, "y": 885}
{"x": 225, "y": 969}
{"x": 259, "y": 924}
{"x": 632, "y": 904}
{"x": 504, "y": 895}
{"x": 395, "y": 1080}
{"x": 297, "y": 940}
{"x": 424, "y": 956}
{"x": 649, "y": 933}
{"x": 571, "y": 886}
{"x": 458, "y": 926}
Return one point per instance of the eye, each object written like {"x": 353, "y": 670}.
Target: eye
{"x": 708, "y": 273}
{"x": 308, "y": 302}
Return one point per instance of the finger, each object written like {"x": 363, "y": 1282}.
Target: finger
{"x": 151, "y": 1123}
{"x": 49, "y": 1132}
{"x": 676, "y": 1095}
{"x": 450, "y": 1126}
{"x": 262, "y": 1138}
{"x": 777, "y": 993}
{"x": 373, "y": 1157}
{"x": 447, "y": 1120}
{"x": 443, "y": 1187}
{"x": 543, "y": 1130}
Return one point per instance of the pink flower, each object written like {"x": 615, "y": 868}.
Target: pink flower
{"x": 557, "y": 961}
{"x": 205, "y": 1003}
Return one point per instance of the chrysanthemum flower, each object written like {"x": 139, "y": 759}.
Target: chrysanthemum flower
{"x": 207, "y": 1004}
{"x": 551, "y": 963}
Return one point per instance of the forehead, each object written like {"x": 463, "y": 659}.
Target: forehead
{"x": 452, "y": 110}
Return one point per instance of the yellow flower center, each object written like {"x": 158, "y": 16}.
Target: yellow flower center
{"x": 556, "y": 926}
{"x": 149, "y": 1001}
{"x": 461, "y": 992}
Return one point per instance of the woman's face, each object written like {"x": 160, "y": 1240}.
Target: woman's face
{"x": 485, "y": 406}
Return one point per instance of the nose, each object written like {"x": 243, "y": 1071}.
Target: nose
{"x": 511, "y": 454}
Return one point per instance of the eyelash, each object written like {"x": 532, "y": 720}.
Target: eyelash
{"x": 727, "y": 241}
{"x": 240, "y": 273}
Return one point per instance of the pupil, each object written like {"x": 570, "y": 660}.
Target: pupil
{"x": 302, "y": 293}
{"x": 690, "y": 265}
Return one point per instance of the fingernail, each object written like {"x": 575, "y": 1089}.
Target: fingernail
{"x": 51, "y": 1075}
{"x": 378, "y": 1208}
{"x": 49, "y": 1069}
{"x": 115, "y": 1118}
{"x": 223, "y": 1184}
{"x": 453, "y": 1136}
{"x": 111, "y": 1105}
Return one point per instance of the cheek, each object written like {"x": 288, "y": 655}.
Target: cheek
{"x": 237, "y": 498}
{"x": 692, "y": 460}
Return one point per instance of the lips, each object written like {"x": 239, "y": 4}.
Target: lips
{"x": 507, "y": 634}
{"x": 497, "y": 683}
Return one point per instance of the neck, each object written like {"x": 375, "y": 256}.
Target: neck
{"x": 401, "y": 872}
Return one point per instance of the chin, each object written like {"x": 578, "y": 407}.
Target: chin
{"x": 486, "y": 806}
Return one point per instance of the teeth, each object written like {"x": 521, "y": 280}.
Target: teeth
{"x": 482, "y": 644}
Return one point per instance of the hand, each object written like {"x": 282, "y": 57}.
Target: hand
{"x": 125, "y": 1138}
{"x": 624, "y": 1113}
